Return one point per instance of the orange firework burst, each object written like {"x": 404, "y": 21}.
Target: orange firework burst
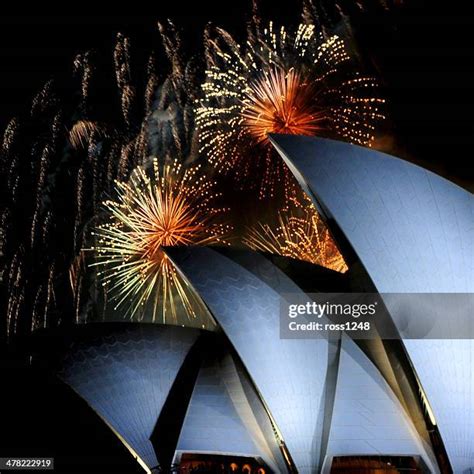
{"x": 300, "y": 234}
{"x": 280, "y": 82}
{"x": 280, "y": 102}
{"x": 167, "y": 207}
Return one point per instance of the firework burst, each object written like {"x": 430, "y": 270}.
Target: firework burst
{"x": 168, "y": 206}
{"x": 301, "y": 83}
{"x": 299, "y": 233}
{"x": 279, "y": 104}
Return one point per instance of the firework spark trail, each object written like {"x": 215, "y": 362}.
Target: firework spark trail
{"x": 49, "y": 294}
{"x": 151, "y": 84}
{"x": 76, "y": 272}
{"x": 83, "y": 132}
{"x": 279, "y": 82}
{"x": 79, "y": 214}
{"x": 167, "y": 206}
{"x": 300, "y": 234}
{"x": 45, "y": 99}
{"x": 9, "y": 135}
{"x": 14, "y": 287}
{"x": 172, "y": 45}
{"x": 123, "y": 76}
{"x": 44, "y": 163}
{"x": 35, "y": 311}
{"x": 83, "y": 67}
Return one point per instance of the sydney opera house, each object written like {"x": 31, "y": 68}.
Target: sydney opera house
{"x": 241, "y": 397}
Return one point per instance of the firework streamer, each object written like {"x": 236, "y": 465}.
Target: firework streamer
{"x": 167, "y": 205}
{"x": 84, "y": 68}
{"x": 172, "y": 46}
{"x": 14, "y": 286}
{"x": 44, "y": 163}
{"x": 49, "y": 294}
{"x": 152, "y": 84}
{"x": 300, "y": 234}
{"x": 35, "y": 324}
{"x": 46, "y": 227}
{"x": 83, "y": 132}
{"x": 280, "y": 82}
{"x": 45, "y": 100}
{"x": 123, "y": 76}
{"x": 11, "y": 131}
{"x": 79, "y": 215}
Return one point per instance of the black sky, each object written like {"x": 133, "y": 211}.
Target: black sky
{"x": 424, "y": 53}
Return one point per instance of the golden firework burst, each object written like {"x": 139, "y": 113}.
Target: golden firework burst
{"x": 280, "y": 102}
{"x": 280, "y": 82}
{"x": 301, "y": 234}
{"x": 166, "y": 206}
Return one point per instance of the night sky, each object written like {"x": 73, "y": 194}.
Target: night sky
{"x": 424, "y": 55}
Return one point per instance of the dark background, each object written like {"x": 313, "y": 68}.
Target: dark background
{"x": 424, "y": 54}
